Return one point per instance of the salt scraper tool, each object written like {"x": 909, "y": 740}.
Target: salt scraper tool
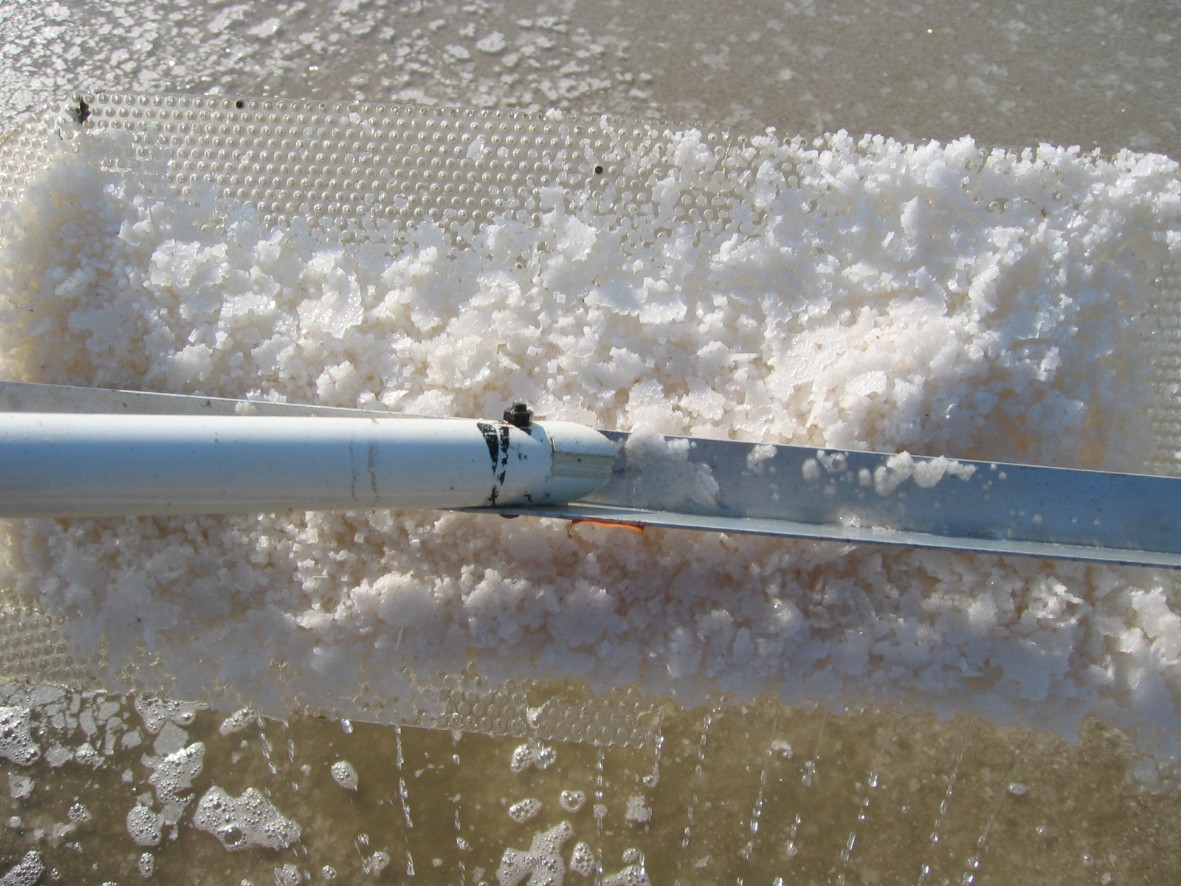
{"x": 68, "y": 452}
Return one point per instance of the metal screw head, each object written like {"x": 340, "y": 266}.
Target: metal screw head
{"x": 519, "y": 415}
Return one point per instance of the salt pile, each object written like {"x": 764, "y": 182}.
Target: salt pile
{"x": 928, "y": 298}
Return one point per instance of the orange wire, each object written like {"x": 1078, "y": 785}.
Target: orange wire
{"x": 632, "y": 527}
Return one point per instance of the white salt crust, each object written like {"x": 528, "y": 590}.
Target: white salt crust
{"x": 937, "y": 299}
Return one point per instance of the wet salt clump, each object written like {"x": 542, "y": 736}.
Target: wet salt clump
{"x": 238, "y": 721}
{"x": 532, "y": 754}
{"x": 572, "y": 801}
{"x": 663, "y": 476}
{"x": 637, "y": 810}
{"x": 145, "y": 826}
{"x": 170, "y": 739}
{"x": 158, "y": 711}
{"x": 26, "y": 872}
{"x": 522, "y": 758}
{"x": 902, "y": 466}
{"x": 524, "y": 810}
{"x": 782, "y": 748}
{"x": 582, "y": 859}
{"x": 634, "y": 872}
{"x": 16, "y": 740}
{"x": 344, "y": 774}
{"x": 376, "y": 863}
{"x": 174, "y": 775}
{"x": 243, "y": 822}
{"x": 542, "y": 863}
{"x": 78, "y": 814}
{"x": 19, "y": 786}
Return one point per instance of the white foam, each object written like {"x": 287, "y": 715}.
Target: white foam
{"x": 637, "y": 811}
{"x": 533, "y": 754}
{"x": 571, "y": 800}
{"x": 524, "y": 810}
{"x": 344, "y": 774}
{"x": 582, "y": 859}
{"x": 244, "y": 821}
{"x": 145, "y": 826}
{"x": 16, "y": 739}
{"x": 26, "y": 872}
{"x": 542, "y": 863}
{"x": 173, "y": 776}
{"x": 238, "y": 721}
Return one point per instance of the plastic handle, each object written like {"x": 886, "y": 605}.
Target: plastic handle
{"x": 85, "y": 465}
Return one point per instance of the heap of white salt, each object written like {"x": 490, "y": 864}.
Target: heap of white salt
{"x": 930, "y": 298}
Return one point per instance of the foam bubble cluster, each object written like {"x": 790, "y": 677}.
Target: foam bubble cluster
{"x": 245, "y": 821}
{"x": 26, "y": 872}
{"x": 16, "y": 739}
{"x": 344, "y": 774}
{"x": 541, "y": 863}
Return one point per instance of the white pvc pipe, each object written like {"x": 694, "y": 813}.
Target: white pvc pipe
{"x": 75, "y": 465}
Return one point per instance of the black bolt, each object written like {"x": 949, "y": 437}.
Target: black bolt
{"x": 519, "y": 415}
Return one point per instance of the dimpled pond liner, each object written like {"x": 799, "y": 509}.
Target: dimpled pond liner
{"x": 937, "y": 298}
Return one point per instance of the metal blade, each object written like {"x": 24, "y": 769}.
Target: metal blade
{"x": 876, "y": 498}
